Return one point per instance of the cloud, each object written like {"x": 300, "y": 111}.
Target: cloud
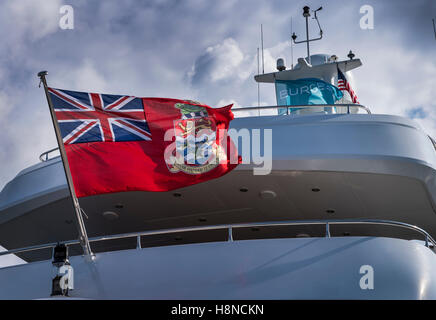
{"x": 400, "y": 81}
{"x": 417, "y": 113}
{"x": 226, "y": 102}
{"x": 411, "y": 19}
{"x": 86, "y": 75}
{"x": 225, "y": 63}
{"x": 221, "y": 63}
{"x": 29, "y": 20}
{"x": 5, "y": 107}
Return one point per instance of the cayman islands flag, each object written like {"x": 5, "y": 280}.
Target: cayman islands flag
{"x": 117, "y": 143}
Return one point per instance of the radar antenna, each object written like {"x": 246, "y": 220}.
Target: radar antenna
{"x": 306, "y": 14}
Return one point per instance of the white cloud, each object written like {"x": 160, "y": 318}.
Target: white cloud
{"x": 226, "y": 102}
{"x": 400, "y": 79}
{"x": 228, "y": 57}
{"x": 31, "y": 19}
{"x": 85, "y": 77}
{"x": 5, "y": 106}
{"x": 223, "y": 62}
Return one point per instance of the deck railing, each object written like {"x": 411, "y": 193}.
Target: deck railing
{"x": 230, "y": 227}
{"x": 49, "y": 154}
{"x": 345, "y": 107}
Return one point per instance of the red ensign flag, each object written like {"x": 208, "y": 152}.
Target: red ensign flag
{"x": 122, "y": 143}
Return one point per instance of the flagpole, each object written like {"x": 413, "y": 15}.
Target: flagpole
{"x": 83, "y": 236}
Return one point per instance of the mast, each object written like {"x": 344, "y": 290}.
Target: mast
{"x": 434, "y": 28}
{"x": 258, "y": 84}
{"x": 292, "y": 49}
{"x": 261, "y": 41}
{"x": 306, "y": 15}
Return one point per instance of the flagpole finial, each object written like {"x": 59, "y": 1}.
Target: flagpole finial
{"x": 42, "y": 73}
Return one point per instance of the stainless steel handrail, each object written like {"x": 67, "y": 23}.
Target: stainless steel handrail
{"x": 304, "y": 106}
{"x": 45, "y": 155}
{"x": 230, "y": 227}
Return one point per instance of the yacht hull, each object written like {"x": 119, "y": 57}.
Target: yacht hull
{"x": 307, "y": 268}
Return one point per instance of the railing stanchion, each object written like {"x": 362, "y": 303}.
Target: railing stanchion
{"x": 327, "y": 230}
{"x": 46, "y": 155}
{"x": 138, "y": 242}
{"x": 230, "y": 237}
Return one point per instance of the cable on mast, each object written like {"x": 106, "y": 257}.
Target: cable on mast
{"x": 261, "y": 40}
{"x": 292, "y": 49}
{"x": 258, "y": 84}
{"x": 434, "y": 28}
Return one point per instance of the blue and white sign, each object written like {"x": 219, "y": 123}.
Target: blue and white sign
{"x": 305, "y": 92}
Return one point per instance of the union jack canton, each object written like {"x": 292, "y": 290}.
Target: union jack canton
{"x": 91, "y": 117}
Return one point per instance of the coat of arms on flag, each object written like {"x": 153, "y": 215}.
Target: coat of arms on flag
{"x": 196, "y": 135}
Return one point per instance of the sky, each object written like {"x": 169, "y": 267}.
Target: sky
{"x": 200, "y": 50}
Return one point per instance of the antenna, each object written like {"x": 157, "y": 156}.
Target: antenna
{"x": 292, "y": 49}
{"x": 258, "y": 84}
{"x": 261, "y": 40}
{"x": 306, "y": 14}
{"x": 316, "y": 18}
{"x": 434, "y": 28}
